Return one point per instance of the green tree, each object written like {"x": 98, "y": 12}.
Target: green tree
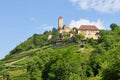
{"x": 114, "y": 26}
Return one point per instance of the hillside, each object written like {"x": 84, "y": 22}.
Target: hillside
{"x": 41, "y": 59}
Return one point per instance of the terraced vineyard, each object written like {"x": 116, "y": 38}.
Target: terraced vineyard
{"x": 41, "y": 59}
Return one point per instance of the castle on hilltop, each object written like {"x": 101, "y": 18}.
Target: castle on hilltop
{"x": 62, "y": 28}
{"x": 89, "y": 31}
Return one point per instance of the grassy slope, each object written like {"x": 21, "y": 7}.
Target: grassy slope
{"x": 18, "y": 68}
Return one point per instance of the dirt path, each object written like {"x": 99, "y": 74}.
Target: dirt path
{"x": 10, "y": 63}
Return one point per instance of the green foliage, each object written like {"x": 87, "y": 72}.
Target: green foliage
{"x": 105, "y": 58}
{"x": 37, "y": 40}
{"x": 2, "y": 67}
{"x": 114, "y": 26}
{"x": 112, "y": 72}
{"x": 59, "y": 64}
{"x": 98, "y": 60}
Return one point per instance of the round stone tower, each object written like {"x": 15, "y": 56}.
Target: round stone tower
{"x": 60, "y": 22}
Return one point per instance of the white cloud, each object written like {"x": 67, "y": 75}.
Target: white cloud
{"x": 33, "y": 19}
{"x": 45, "y": 27}
{"x": 80, "y": 22}
{"x": 106, "y": 6}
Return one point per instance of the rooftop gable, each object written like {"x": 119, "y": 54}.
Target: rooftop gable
{"x": 88, "y": 27}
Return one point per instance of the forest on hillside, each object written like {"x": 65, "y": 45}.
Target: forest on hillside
{"x": 94, "y": 60}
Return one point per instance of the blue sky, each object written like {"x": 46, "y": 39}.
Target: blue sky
{"x": 20, "y": 19}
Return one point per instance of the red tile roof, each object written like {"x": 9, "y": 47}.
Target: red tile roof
{"x": 59, "y": 40}
{"x": 88, "y": 27}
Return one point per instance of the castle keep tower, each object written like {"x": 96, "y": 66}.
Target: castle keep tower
{"x": 60, "y": 22}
